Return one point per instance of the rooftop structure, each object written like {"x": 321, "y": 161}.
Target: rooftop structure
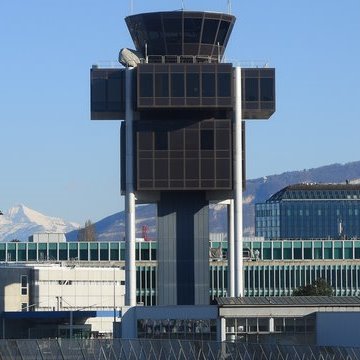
{"x": 309, "y": 211}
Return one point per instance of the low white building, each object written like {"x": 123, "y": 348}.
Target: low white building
{"x": 64, "y": 298}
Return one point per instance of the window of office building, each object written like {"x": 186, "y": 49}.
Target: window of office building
{"x": 24, "y": 284}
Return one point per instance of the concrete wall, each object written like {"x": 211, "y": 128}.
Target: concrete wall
{"x": 11, "y": 295}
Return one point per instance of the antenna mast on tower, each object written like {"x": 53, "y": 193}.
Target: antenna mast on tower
{"x": 229, "y": 6}
{"x": 131, "y": 7}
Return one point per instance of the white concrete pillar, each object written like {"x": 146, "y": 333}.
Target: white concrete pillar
{"x": 231, "y": 250}
{"x": 238, "y": 179}
{"x": 130, "y": 268}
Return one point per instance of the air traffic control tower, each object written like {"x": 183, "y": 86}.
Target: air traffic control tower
{"x": 182, "y": 141}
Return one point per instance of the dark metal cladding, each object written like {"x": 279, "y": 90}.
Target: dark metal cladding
{"x": 193, "y": 33}
{"x": 107, "y": 94}
{"x": 258, "y": 93}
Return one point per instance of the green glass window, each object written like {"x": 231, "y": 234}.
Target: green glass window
{"x": 21, "y": 251}
{"x": 114, "y": 251}
{"x": 328, "y": 253}
{"x": 84, "y": 254}
{"x": 53, "y": 251}
{"x": 308, "y": 250}
{"x": 287, "y": 250}
{"x": 266, "y": 255}
{"x": 2, "y": 252}
{"x": 277, "y": 250}
{"x": 63, "y": 251}
{"x": 145, "y": 255}
{"x": 32, "y": 252}
{"x": 357, "y": 249}
{"x": 11, "y": 252}
{"x": 73, "y": 251}
{"x": 338, "y": 251}
{"x": 297, "y": 250}
{"x": 153, "y": 251}
{"x": 318, "y": 253}
{"x": 94, "y": 253}
{"x": 104, "y": 251}
{"x": 122, "y": 251}
{"x": 42, "y": 249}
{"x": 137, "y": 251}
{"x": 348, "y": 249}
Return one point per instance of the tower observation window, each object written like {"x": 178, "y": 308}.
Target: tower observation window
{"x": 192, "y": 28}
{"x": 223, "y": 30}
{"x": 209, "y": 31}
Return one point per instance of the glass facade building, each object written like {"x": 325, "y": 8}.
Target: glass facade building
{"x": 271, "y": 268}
{"x": 310, "y": 211}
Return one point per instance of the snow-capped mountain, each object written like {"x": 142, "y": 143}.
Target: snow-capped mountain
{"x": 20, "y": 222}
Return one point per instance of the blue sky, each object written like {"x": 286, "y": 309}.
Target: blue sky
{"x": 57, "y": 161}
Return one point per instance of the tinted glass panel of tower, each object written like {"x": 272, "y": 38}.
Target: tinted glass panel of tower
{"x": 173, "y": 35}
{"x": 98, "y": 94}
{"x": 146, "y": 81}
{"x": 207, "y": 139}
{"x": 161, "y": 85}
{"x": 154, "y": 34}
{"x": 267, "y": 89}
{"x": 252, "y": 89}
{"x": 192, "y": 85}
{"x": 209, "y": 31}
{"x": 224, "y": 84}
{"x": 161, "y": 140}
{"x": 177, "y": 85}
{"x": 223, "y": 30}
{"x": 192, "y": 29}
{"x": 208, "y": 85}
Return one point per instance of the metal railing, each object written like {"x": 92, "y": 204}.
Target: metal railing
{"x": 116, "y": 349}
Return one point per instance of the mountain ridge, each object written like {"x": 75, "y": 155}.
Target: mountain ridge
{"x": 20, "y": 221}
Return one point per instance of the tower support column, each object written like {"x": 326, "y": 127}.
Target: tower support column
{"x": 238, "y": 186}
{"x": 130, "y": 237}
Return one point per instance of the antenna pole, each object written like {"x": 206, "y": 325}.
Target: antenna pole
{"x": 131, "y": 7}
{"x": 182, "y": 5}
{"x": 229, "y": 6}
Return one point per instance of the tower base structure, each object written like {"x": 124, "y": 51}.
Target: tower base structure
{"x": 183, "y": 249}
